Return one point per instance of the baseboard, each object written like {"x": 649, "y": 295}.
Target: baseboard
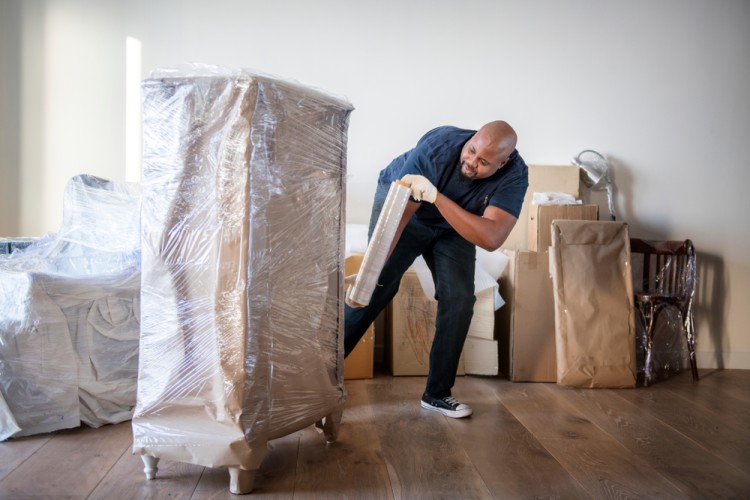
{"x": 729, "y": 360}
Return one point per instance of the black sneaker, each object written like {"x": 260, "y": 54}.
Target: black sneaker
{"x": 447, "y": 406}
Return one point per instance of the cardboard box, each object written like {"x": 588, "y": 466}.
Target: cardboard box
{"x": 480, "y": 348}
{"x": 525, "y": 325}
{"x": 411, "y": 329}
{"x": 483, "y": 321}
{"x": 594, "y": 311}
{"x": 541, "y": 217}
{"x": 542, "y": 179}
{"x": 359, "y": 363}
{"x": 481, "y": 356}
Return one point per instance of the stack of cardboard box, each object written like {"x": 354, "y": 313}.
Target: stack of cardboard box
{"x": 525, "y": 325}
{"x": 410, "y": 328}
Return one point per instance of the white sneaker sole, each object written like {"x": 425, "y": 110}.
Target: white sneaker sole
{"x": 448, "y": 413}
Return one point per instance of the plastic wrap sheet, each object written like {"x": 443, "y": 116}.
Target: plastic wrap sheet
{"x": 242, "y": 282}
{"x": 8, "y": 424}
{"x": 38, "y": 370}
{"x": 380, "y": 243}
{"x": 69, "y": 318}
{"x": 669, "y": 351}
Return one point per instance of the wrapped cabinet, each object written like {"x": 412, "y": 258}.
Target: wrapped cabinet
{"x": 242, "y": 271}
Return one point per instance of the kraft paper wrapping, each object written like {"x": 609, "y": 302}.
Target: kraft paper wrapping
{"x": 242, "y": 264}
{"x": 594, "y": 311}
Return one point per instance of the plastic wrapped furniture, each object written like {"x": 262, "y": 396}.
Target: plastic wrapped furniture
{"x": 665, "y": 275}
{"x": 69, "y": 315}
{"x": 242, "y": 284}
{"x": 10, "y": 245}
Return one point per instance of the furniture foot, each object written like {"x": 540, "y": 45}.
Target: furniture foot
{"x": 329, "y": 426}
{"x": 150, "y": 466}
{"x": 241, "y": 481}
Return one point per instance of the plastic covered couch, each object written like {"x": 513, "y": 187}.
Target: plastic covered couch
{"x": 69, "y": 315}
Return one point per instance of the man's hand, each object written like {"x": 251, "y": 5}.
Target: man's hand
{"x": 421, "y": 188}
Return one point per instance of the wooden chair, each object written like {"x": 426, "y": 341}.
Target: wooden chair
{"x": 667, "y": 279}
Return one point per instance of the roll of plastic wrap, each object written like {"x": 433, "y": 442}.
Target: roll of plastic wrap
{"x": 380, "y": 242}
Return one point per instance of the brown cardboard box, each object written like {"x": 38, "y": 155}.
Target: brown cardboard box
{"x": 483, "y": 321}
{"x": 481, "y": 356}
{"x": 359, "y": 363}
{"x": 411, "y": 329}
{"x": 480, "y": 348}
{"x": 541, "y": 217}
{"x": 542, "y": 179}
{"x": 525, "y": 325}
{"x": 594, "y": 312}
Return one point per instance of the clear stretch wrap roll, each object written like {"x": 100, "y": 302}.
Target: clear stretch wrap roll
{"x": 380, "y": 244}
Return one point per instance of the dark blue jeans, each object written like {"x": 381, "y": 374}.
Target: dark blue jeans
{"x": 451, "y": 260}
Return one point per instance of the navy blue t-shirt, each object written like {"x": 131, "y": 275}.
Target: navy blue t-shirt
{"x": 437, "y": 156}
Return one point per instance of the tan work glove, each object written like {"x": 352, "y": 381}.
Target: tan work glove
{"x": 421, "y": 188}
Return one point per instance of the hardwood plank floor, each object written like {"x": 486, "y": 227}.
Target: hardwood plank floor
{"x": 675, "y": 439}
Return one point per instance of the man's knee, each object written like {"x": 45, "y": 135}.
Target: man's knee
{"x": 457, "y": 298}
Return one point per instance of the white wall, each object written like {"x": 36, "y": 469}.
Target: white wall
{"x": 658, "y": 86}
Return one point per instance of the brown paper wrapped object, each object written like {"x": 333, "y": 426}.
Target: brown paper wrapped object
{"x": 594, "y": 314}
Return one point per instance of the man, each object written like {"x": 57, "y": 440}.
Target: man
{"x": 467, "y": 188}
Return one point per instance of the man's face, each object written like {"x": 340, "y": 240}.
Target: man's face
{"x": 480, "y": 157}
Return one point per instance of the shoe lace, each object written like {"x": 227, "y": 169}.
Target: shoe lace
{"x": 451, "y": 401}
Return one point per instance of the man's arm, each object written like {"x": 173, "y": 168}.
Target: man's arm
{"x": 488, "y": 231}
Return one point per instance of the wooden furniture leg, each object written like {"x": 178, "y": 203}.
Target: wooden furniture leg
{"x": 241, "y": 481}
{"x": 150, "y": 466}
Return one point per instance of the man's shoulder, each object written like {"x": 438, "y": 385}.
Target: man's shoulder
{"x": 447, "y": 132}
{"x": 443, "y": 143}
{"x": 518, "y": 165}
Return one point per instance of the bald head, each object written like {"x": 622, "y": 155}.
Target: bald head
{"x": 502, "y": 135}
{"x": 488, "y": 150}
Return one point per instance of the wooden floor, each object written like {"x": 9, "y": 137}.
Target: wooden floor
{"x": 674, "y": 439}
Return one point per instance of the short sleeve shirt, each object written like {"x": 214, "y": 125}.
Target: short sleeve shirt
{"x": 437, "y": 156}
